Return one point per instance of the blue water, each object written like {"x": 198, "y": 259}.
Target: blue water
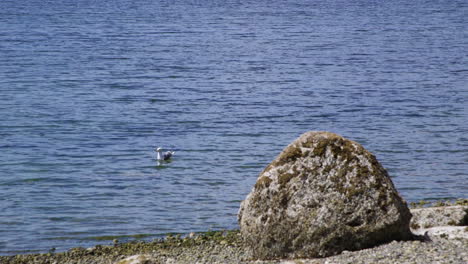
{"x": 89, "y": 88}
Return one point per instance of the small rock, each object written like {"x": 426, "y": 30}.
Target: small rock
{"x": 449, "y": 232}
{"x": 439, "y": 216}
{"x": 136, "y": 259}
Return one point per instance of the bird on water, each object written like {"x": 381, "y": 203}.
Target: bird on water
{"x": 164, "y": 156}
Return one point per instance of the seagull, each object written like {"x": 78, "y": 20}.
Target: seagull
{"x": 166, "y": 156}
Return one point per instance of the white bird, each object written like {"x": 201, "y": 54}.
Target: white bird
{"x": 166, "y": 156}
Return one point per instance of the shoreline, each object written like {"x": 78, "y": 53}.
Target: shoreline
{"x": 227, "y": 246}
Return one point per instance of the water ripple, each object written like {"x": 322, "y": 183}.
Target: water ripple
{"x": 89, "y": 90}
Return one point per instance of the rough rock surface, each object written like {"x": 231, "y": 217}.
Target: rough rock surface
{"x": 322, "y": 195}
{"x": 450, "y": 232}
{"x": 439, "y": 216}
{"x": 445, "y": 221}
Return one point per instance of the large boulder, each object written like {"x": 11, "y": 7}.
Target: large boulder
{"x": 322, "y": 195}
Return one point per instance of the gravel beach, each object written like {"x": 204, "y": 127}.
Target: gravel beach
{"x": 228, "y": 247}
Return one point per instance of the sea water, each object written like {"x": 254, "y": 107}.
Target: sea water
{"x": 88, "y": 90}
